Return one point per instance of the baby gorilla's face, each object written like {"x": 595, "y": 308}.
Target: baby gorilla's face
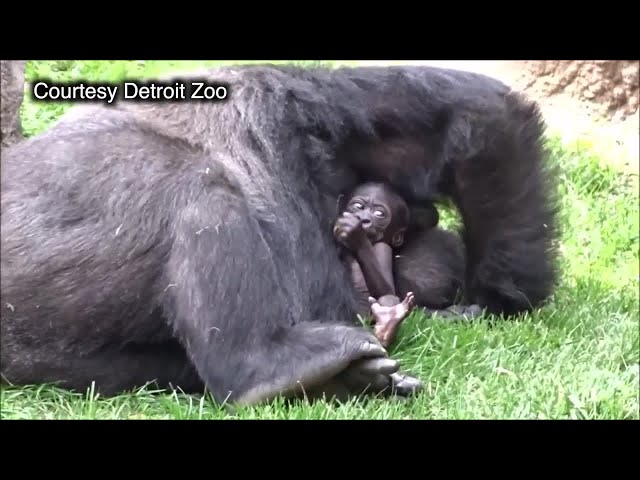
{"x": 384, "y": 215}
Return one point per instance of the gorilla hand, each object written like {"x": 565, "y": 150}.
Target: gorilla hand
{"x": 331, "y": 361}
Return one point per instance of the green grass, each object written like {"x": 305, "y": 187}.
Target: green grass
{"x": 576, "y": 358}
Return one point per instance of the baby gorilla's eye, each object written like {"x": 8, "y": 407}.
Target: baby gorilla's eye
{"x": 358, "y": 205}
{"x": 379, "y": 213}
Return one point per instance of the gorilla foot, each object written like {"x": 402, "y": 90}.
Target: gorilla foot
{"x": 459, "y": 312}
{"x": 387, "y": 319}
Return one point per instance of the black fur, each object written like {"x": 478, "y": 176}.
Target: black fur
{"x": 140, "y": 240}
{"x": 431, "y": 265}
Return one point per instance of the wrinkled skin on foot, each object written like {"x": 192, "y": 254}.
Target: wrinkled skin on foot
{"x": 388, "y": 314}
{"x": 458, "y": 313}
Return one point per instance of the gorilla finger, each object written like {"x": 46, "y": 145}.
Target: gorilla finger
{"x": 352, "y": 224}
{"x": 363, "y": 343}
{"x": 382, "y": 366}
{"x": 408, "y": 300}
{"x": 372, "y": 349}
{"x": 379, "y": 384}
{"x": 367, "y": 383}
{"x": 374, "y": 304}
{"x": 405, "y": 385}
{"x": 347, "y": 220}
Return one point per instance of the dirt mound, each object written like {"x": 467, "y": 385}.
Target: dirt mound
{"x": 608, "y": 88}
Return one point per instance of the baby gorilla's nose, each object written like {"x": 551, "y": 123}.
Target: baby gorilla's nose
{"x": 366, "y": 222}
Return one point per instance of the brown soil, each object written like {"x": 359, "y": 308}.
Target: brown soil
{"x": 609, "y": 88}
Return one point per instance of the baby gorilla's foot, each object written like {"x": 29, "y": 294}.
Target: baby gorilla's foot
{"x": 387, "y": 318}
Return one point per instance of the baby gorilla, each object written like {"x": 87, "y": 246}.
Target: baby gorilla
{"x": 373, "y": 224}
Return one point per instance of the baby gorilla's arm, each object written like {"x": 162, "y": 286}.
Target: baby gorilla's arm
{"x": 373, "y": 273}
{"x": 349, "y": 232}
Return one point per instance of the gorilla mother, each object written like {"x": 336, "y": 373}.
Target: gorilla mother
{"x": 190, "y": 243}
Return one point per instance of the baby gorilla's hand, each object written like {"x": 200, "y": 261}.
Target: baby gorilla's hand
{"x": 349, "y": 232}
{"x": 387, "y": 319}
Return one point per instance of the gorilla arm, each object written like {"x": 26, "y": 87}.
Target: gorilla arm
{"x": 272, "y": 353}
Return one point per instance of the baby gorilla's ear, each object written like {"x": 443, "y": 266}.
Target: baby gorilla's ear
{"x": 424, "y": 217}
{"x": 398, "y": 238}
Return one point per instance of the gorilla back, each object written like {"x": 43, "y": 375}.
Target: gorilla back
{"x": 190, "y": 244}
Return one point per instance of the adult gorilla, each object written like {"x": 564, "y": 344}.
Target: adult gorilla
{"x": 191, "y": 243}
